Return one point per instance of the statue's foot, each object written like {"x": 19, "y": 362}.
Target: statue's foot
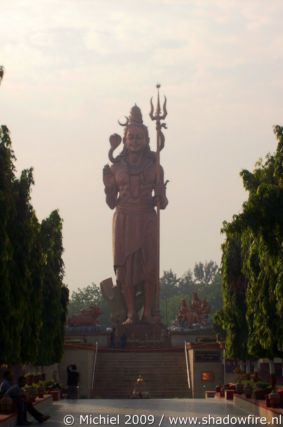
{"x": 128, "y": 321}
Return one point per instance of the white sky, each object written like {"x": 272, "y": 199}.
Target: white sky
{"x": 74, "y": 67}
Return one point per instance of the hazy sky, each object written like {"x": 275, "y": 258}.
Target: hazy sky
{"x": 74, "y": 67}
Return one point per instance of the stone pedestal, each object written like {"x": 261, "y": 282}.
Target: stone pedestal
{"x": 143, "y": 334}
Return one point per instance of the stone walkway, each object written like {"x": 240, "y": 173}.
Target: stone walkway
{"x": 144, "y": 412}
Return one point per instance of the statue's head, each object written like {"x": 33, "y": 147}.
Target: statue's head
{"x": 136, "y": 133}
{"x": 135, "y": 138}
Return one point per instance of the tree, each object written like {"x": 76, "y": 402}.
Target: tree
{"x": 186, "y": 283}
{"x": 257, "y": 235}
{"x": 168, "y": 284}
{"x": 55, "y": 293}
{"x": 31, "y": 270}
{"x": 25, "y": 275}
{"x": 205, "y": 273}
{"x": 232, "y": 317}
{"x": 7, "y": 207}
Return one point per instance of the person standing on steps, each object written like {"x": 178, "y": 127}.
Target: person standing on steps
{"x": 73, "y": 377}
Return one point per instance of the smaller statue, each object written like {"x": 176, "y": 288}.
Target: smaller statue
{"x": 86, "y": 317}
{"x": 196, "y": 303}
{"x": 196, "y": 314}
{"x": 186, "y": 317}
{"x": 205, "y": 307}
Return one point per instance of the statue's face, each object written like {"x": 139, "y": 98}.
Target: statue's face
{"x": 135, "y": 139}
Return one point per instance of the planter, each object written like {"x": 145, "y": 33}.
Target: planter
{"x": 229, "y": 394}
{"x": 280, "y": 392}
{"x": 55, "y": 395}
{"x": 29, "y": 379}
{"x": 260, "y": 394}
{"x": 248, "y": 391}
{"x": 274, "y": 399}
{"x": 40, "y": 391}
{"x": 239, "y": 388}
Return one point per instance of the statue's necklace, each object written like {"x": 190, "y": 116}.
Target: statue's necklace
{"x": 137, "y": 168}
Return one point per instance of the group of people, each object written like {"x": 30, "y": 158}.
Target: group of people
{"x": 123, "y": 339}
{"x": 22, "y": 404}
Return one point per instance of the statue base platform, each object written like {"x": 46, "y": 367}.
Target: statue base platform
{"x": 143, "y": 334}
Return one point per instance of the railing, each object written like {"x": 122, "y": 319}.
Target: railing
{"x": 187, "y": 367}
{"x": 94, "y": 366}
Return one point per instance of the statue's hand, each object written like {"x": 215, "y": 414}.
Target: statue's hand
{"x": 107, "y": 170}
{"x": 159, "y": 190}
{"x": 115, "y": 140}
{"x": 108, "y": 178}
{"x": 160, "y": 198}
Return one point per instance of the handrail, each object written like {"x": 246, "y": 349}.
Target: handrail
{"x": 94, "y": 366}
{"x": 187, "y": 367}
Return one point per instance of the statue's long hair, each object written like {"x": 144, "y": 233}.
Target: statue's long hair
{"x": 147, "y": 151}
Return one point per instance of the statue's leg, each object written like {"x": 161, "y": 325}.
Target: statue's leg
{"x": 149, "y": 290}
{"x": 130, "y": 304}
{"x": 123, "y": 275}
{"x": 150, "y": 268}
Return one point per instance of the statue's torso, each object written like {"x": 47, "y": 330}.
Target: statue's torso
{"x": 135, "y": 183}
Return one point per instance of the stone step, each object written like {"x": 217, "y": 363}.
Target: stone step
{"x": 164, "y": 373}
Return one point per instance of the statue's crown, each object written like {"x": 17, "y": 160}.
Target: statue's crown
{"x": 135, "y": 117}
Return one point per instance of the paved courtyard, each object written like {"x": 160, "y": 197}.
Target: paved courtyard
{"x": 146, "y": 412}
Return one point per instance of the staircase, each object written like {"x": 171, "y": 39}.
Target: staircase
{"x": 164, "y": 373}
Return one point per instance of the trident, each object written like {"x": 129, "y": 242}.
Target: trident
{"x": 1, "y": 73}
{"x": 158, "y": 116}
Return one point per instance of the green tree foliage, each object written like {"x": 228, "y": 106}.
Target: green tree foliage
{"x": 252, "y": 264}
{"x": 205, "y": 273}
{"x": 55, "y": 293}
{"x": 232, "y": 317}
{"x": 33, "y": 299}
{"x": 25, "y": 274}
{"x": 168, "y": 284}
{"x": 7, "y": 179}
{"x": 205, "y": 280}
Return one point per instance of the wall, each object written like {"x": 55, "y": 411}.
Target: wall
{"x": 197, "y": 367}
